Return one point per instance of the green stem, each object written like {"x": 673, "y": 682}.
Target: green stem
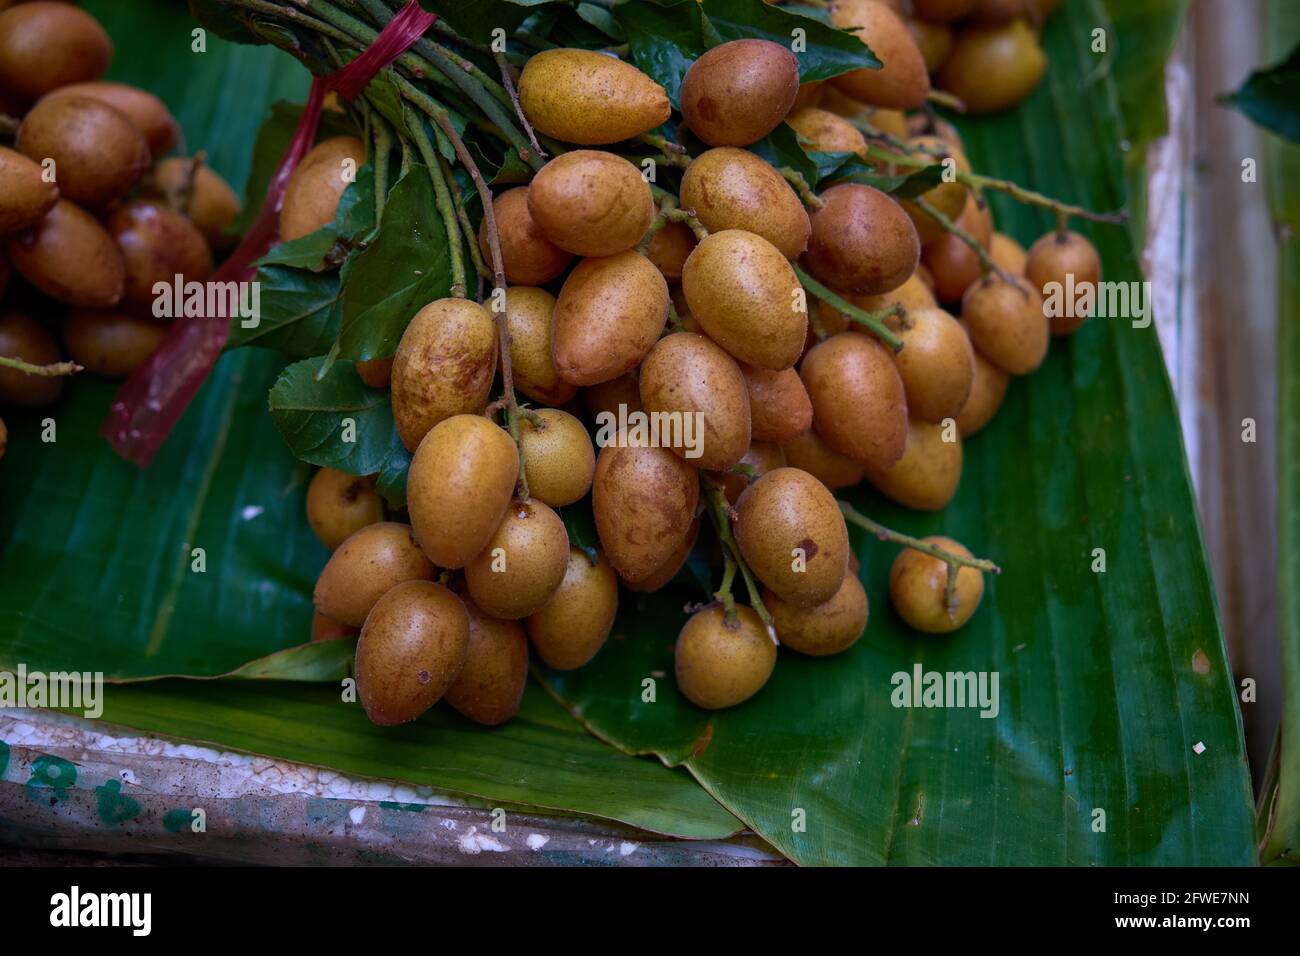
{"x": 688, "y": 216}
{"x": 508, "y": 81}
{"x": 441, "y": 199}
{"x": 801, "y": 187}
{"x": 719, "y": 508}
{"x": 458, "y": 200}
{"x": 383, "y": 138}
{"x": 951, "y": 558}
{"x": 987, "y": 264}
{"x": 53, "y": 370}
{"x": 874, "y": 321}
{"x": 723, "y": 593}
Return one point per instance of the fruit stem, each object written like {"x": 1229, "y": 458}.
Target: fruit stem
{"x": 498, "y": 299}
{"x": 952, "y": 559}
{"x": 720, "y": 514}
{"x": 504, "y": 66}
{"x": 441, "y": 199}
{"x": 943, "y": 98}
{"x": 1014, "y": 190}
{"x": 9, "y": 125}
{"x": 458, "y": 201}
{"x": 688, "y": 216}
{"x": 987, "y": 264}
{"x": 874, "y": 321}
{"x": 666, "y": 205}
{"x": 723, "y": 593}
{"x": 53, "y": 370}
{"x": 795, "y": 179}
{"x": 383, "y": 138}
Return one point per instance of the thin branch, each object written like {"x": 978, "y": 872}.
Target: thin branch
{"x": 53, "y": 370}
{"x": 719, "y": 508}
{"x": 874, "y": 321}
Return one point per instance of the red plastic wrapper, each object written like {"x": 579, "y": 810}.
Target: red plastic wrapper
{"x": 151, "y": 400}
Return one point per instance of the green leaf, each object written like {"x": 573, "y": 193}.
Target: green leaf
{"x": 477, "y": 20}
{"x": 334, "y": 419}
{"x": 1271, "y": 97}
{"x": 222, "y": 21}
{"x": 300, "y": 312}
{"x": 1108, "y": 682}
{"x": 580, "y": 522}
{"x": 404, "y": 268}
{"x": 540, "y": 759}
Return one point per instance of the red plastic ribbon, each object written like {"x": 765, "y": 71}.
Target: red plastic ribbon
{"x": 152, "y": 399}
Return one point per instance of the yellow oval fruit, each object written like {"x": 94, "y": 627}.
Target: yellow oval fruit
{"x": 690, "y": 378}
{"x": 948, "y": 198}
{"x": 992, "y": 68}
{"x": 311, "y": 198}
{"x": 458, "y": 487}
{"x": 826, "y": 132}
{"x": 736, "y": 189}
{"x": 588, "y": 98}
{"x": 25, "y": 197}
{"x": 69, "y": 256}
{"x": 743, "y": 292}
{"x": 823, "y": 629}
{"x": 792, "y": 535}
{"x": 571, "y": 627}
{"x": 491, "y": 684}
{"x": 739, "y": 91}
{"x": 369, "y": 563}
{"x": 902, "y": 83}
{"x": 339, "y": 505}
{"x": 859, "y": 403}
{"x": 917, "y": 583}
{"x": 559, "y": 461}
{"x": 669, "y": 249}
{"x": 927, "y": 475}
{"x": 809, "y": 452}
{"x": 523, "y": 562}
{"x": 937, "y": 363}
{"x": 1006, "y": 322}
{"x": 608, "y": 316}
{"x": 529, "y": 258}
{"x": 444, "y": 366}
{"x": 644, "y": 500}
{"x": 412, "y": 648}
{"x": 591, "y": 203}
{"x": 530, "y": 316}
{"x": 779, "y": 407}
{"x": 988, "y": 389}
{"x": 719, "y": 664}
{"x": 1007, "y": 254}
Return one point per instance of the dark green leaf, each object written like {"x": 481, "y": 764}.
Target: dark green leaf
{"x": 221, "y": 20}
{"x": 404, "y": 268}
{"x": 477, "y": 20}
{"x": 334, "y": 420}
{"x": 581, "y": 525}
{"x": 781, "y": 148}
{"x": 1271, "y": 97}
{"x": 300, "y": 312}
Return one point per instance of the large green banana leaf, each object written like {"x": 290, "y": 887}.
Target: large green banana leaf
{"x": 1118, "y": 740}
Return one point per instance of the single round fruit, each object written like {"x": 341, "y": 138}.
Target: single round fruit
{"x": 779, "y": 406}
{"x": 937, "y": 363}
{"x": 826, "y": 132}
{"x": 570, "y": 628}
{"x": 720, "y": 664}
{"x": 736, "y": 189}
{"x": 70, "y": 257}
{"x": 913, "y": 294}
{"x": 444, "y": 366}
{"x": 916, "y": 588}
{"x": 377, "y": 373}
{"x": 992, "y": 68}
{"x": 607, "y": 401}
{"x": 523, "y": 562}
{"x": 364, "y": 567}
{"x": 988, "y": 389}
{"x": 47, "y": 45}
{"x": 610, "y": 313}
{"x": 491, "y": 683}
{"x": 1063, "y": 266}
{"x": 902, "y": 83}
{"x": 98, "y": 153}
{"x": 824, "y": 629}
{"x": 669, "y": 249}
{"x": 792, "y": 535}
{"x": 458, "y": 487}
{"x": 21, "y": 338}
{"x": 311, "y": 198}
{"x": 1006, "y": 323}
{"x": 412, "y": 648}
{"x": 927, "y": 475}
{"x": 25, "y": 197}
{"x": 198, "y": 192}
{"x": 145, "y": 111}
{"x": 762, "y": 457}
{"x": 591, "y": 203}
{"x": 1007, "y": 254}
{"x": 862, "y": 241}
{"x": 934, "y": 40}
{"x": 339, "y": 505}
{"x": 644, "y": 499}
{"x": 809, "y": 452}
{"x": 689, "y": 378}
{"x": 530, "y": 316}
{"x": 738, "y": 92}
{"x": 559, "y": 461}
{"x": 110, "y": 343}
{"x": 744, "y": 294}
{"x": 157, "y": 244}
{"x": 528, "y": 256}
{"x": 588, "y": 98}
{"x": 859, "y": 403}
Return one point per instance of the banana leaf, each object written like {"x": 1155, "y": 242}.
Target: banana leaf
{"x": 1117, "y": 740}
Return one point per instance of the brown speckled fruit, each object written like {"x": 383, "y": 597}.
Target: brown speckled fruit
{"x": 937, "y": 363}
{"x": 862, "y": 241}
{"x": 736, "y": 189}
{"x": 47, "y": 45}
{"x": 412, "y": 648}
{"x": 810, "y": 452}
{"x": 491, "y": 684}
{"x": 917, "y": 583}
{"x": 902, "y": 83}
{"x": 571, "y": 627}
{"x": 1006, "y": 323}
{"x": 988, "y": 389}
{"x": 21, "y": 338}
{"x": 364, "y": 567}
{"x": 70, "y": 257}
{"x": 591, "y": 203}
{"x": 824, "y": 629}
{"x": 559, "y": 461}
{"x": 644, "y": 499}
{"x": 339, "y": 505}
{"x": 311, "y": 199}
{"x": 528, "y": 256}
{"x": 25, "y": 197}
{"x": 145, "y": 111}
{"x": 738, "y": 92}
{"x": 927, "y": 475}
{"x": 523, "y": 562}
{"x": 793, "y": 536}
{"x": 720, "y": 664}
{"x": 779, "y": 406}
{"x": 110, "y": 343}
{"x": 1061, "y": 263}
{"x": 859, "y": 403}
{"x": 156, "y": 244}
